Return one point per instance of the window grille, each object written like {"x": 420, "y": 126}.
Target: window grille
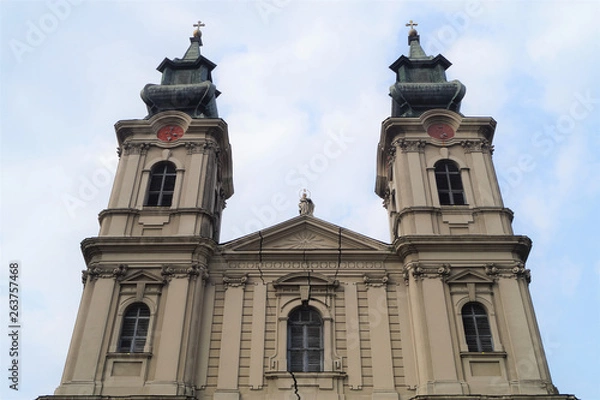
{"x": 449, "y": 183}
{"x": 477, "y": 328}
{"x": 305, "y": 340}
{"x": 162, "y": 185}
{"x": 134, "y": 330}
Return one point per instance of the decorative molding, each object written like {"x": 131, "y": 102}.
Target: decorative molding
{"x": 306, "y": 265}
{"x": 391, "y": 155}
{"x": 516, "y": 270}
{"x": 408, "y": 146}
{"x": 192, "y": 272}
{"x": 491, "y": 269}
{"x": 94, "y": 272}
{"x": 375, "y": 281}
{"x": 420, "y": 271}
{"x": 520, "y": 271}
{"x": 120, "y": 271}
{"x": 201, "y": 147}
{"x": 303, "y": 240}
{"x": 386, "y": 198}
{"x": 481, "y": 146}
{"x": 234, "y": 281}
{"x": 135, "y": 148}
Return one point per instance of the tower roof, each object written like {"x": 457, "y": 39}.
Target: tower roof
{"x": 186, "y": 84}
{"x": 421, "y": 82}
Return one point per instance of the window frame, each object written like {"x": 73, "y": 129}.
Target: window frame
{"x": 471, "y": 319}
{"x": 444, "y": 171}
{"x": 306, "y": 349}
{"x": 169, "y": 170}
{"x": 293, "y": 291}
{"x": 135, "y": 346}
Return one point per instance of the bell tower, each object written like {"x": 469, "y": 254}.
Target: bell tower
{"x": 140, "y": 313}
{"x": 175, "y": 171}
{"x": 473, "y": 328}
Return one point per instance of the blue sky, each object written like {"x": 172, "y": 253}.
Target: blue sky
{"x": 297, "y": 77}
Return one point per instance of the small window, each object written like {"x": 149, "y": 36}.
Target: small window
{"x": 135, "y": 328}
{"x": 305, "y": 340}
{"x": 477, "y": 328}
{"x": 449, "y": 183}
{"x": 162, "y": 185}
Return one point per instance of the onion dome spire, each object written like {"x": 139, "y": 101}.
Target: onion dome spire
{"x": 186, "y": 84}
{"x": 421, "y": 82}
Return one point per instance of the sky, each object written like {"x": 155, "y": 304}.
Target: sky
{"x": 297, "y": 78}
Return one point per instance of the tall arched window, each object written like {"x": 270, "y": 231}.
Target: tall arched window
{"x": 477, "y": 328}
{"x": 162, "y": 185}
{"x": 449, "y": 183}
{"x": 135, "y": 328}
{"x": 305, "y": 340}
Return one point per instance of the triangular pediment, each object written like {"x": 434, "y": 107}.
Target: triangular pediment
{"x": 470, "y": 277}
{"x": 305, "y": 233}
{"x": 304, "y": 278}
{"x": 142, "y": 277}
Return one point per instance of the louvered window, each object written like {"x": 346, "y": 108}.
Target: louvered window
{"x": 162, "y": 185}
{"x": 477, "y": 328}
{"x": 135, "y": 328}
{"x": 305, "y": 340}
{"x": 449, "y": 183}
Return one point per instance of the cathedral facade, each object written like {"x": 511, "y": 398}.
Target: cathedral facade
{"x": 306, "y": 309}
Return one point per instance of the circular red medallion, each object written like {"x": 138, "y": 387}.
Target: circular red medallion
{"x": 441, "y": 131}
{"x": 170, "y": 133}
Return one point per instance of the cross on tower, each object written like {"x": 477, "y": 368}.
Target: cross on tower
{"x": 198, "y": 32}
{"x": 412, "y": 24}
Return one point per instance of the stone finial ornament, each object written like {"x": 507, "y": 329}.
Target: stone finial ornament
{"x": 412, "y": 31}
{"x": 306, "y": 205}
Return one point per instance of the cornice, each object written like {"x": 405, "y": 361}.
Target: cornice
{"x": 450, "y": 210}
{"x": 411, "y": 244}
{"x": 201, "y": 248}
{"x": 215, "y": 127}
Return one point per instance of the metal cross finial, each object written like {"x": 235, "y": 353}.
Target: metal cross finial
{"x": 412, "y": 24}
{"x": 200, "y": 25}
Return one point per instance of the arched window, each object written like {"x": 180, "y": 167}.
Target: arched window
{"x": 477, "y": 328}
{"x": 449, "y": 183}
{"x": 162, "y": 185}
{"x": 135, "y": 328}
{"x": 305, "y": 340}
